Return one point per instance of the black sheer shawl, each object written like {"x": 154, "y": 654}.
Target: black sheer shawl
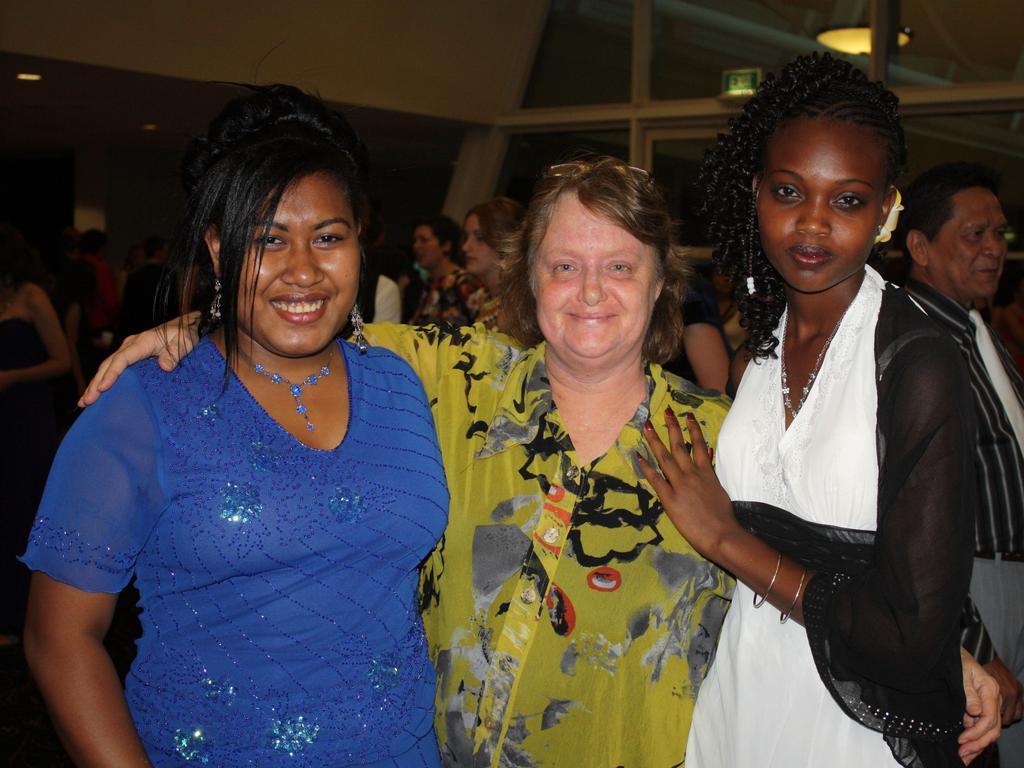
{"x": 882, "y": 614}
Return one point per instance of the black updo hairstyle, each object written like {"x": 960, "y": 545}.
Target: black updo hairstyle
{"x": 234, "y": 178}
{"x": 816, "y": 86}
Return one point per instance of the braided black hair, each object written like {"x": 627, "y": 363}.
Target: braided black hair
{"x": 234, "y": 177}
{"x": 816, "y": 86}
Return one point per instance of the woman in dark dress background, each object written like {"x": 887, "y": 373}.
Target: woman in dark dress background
{"x": 32, "y": 352}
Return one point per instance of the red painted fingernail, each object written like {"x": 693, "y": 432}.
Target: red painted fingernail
{"x": 648, "y": 426}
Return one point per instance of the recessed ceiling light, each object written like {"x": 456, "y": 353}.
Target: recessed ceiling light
{"x": 856, "y": 40}
{"x": 28, "y": 76}
{"x": 150, "y": 126}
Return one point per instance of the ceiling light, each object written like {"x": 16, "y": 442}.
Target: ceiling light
{"x": 856, "y": 40}
{"x": 149, "y": 126}
{"x": 29, "y": 76}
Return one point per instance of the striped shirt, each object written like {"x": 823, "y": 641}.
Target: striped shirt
{"x": 999, "y": 463}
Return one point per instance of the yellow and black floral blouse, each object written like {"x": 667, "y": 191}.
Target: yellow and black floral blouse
{"x": 569, "y": 622}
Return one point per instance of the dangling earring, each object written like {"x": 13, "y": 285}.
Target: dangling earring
{"x": 356, "y": 318}
{"x": 215, "y": 304}
{"x": 751, "y": 239}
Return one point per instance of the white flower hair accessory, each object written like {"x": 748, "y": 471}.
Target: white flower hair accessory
{"x": 885, "y": 231}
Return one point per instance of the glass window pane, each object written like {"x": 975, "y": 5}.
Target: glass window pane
{"x": 584, "y": 56}
{"x": 694, "y": 41}
{"x": 530, "y": 153}
{"x": 675, "y": 168}
{"x": 959, "y": 43}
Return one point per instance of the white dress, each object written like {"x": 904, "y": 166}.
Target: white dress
{"x": 763, "y": 703}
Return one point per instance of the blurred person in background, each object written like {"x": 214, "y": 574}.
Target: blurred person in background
{"x": 76, "y": 287}
{"x": 102, "y": 307}
{"x": 486, "y": 225}
{"x": 55, "y": 260}
{"x": 144, "y": 303}
{"x": 134, "y": 259}
{"x": 380, "y": 296}
{"x": 453, "y": 296}
{"x": 703, "y": 356}
{"x": 32, "y": 353}
{"x": 728, "y": 314}
{"x": 1008, "y": 314}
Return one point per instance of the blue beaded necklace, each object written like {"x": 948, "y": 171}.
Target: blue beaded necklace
{"x": 296, "y": 389}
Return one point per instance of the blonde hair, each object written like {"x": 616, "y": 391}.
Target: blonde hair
{"x": 625, "y": 196}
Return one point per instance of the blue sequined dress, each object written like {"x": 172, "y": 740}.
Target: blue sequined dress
{"x": 278, "y": 582}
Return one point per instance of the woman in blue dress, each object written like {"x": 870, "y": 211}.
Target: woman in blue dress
{"x": 272, "y": 497}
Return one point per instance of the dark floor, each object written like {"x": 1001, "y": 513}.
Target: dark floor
{"x": 27, "y": 739}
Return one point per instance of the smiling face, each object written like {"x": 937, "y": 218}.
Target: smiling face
{"x": 965, "y": 260}
{"x": 481, "y": 259}
{"x": 596, "y": 286}
{"x": 308, "y": 278}
{"x": 820, "y": 201}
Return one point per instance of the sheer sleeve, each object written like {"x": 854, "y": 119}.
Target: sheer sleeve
{"x": 104, "y": 494}
{"x": 886, "y": 640}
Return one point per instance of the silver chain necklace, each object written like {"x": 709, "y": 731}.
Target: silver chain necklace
{"x": 814, "y": 371}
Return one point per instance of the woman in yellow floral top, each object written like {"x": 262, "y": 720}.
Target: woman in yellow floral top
{"x": 569, "y": 621}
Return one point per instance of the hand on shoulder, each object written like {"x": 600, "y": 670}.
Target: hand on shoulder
{"x": 168, "y": 343}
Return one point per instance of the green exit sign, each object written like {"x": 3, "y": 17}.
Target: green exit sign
{"x": 740, "y": 82}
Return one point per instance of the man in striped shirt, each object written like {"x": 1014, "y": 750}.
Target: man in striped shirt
{"x": 955, "y": 237}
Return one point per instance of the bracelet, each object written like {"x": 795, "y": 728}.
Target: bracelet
{"x": 759, "y": 602}
{"x": 784, "y": 617}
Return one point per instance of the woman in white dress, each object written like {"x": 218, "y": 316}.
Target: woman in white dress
{"x": 845, "y": 453}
